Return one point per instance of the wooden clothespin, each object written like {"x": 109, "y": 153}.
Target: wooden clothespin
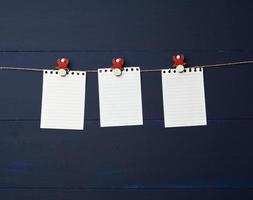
{"x": 179, "y": 63}
{"x": 117, "y": 66}
{"x": 62, "y": 66}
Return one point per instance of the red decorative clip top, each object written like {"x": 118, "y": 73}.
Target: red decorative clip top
{"x": 178, "y": 59}
{"x": 117, "y": 66}
{"x": 62, "y": 63}
{"x": 118, "y": 63}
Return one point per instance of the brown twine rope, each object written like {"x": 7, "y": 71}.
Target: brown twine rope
{"x": 143, "y": 70}
{"x": 227, "y": 64}
{"x": 22, "y": 69}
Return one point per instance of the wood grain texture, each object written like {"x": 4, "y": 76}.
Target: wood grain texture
{"x": 144, "y": 162}
{"x": 131, "y": 157}
{"x": 128, "y": 25}
{"x": 125, "y": 195}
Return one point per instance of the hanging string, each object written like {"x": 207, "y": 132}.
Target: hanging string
{"x": 22, "y": 69}
{"x": 227, "y": 64}
{"x": 211, "y": 65}
{"x": 158, "y": 69}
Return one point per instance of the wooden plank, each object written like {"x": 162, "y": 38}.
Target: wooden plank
{"x": 142, "y": 157}
{"x": 131, "y": 25}
{"x": 125, "y": 195}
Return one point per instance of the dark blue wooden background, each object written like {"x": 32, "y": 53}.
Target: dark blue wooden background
{"x": 143, "y": 162}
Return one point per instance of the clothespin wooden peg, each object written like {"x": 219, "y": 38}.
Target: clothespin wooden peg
{"x": 179, "y": 62}
{"x": 117, "y": 66}
{"x": 62, "y": 66}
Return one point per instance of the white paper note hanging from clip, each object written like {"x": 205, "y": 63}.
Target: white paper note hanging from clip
{"x": 120, "y": 98}
{"x": 183, "y": 97}
{"x": 63, "y": 100}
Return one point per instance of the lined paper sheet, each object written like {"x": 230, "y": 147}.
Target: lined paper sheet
{"x": 120, "y": 98}
{"x": 183, "y": 97}
{"x": 63, "y": 100}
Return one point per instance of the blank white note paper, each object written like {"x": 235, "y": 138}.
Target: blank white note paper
{"x": 120, "y": 98}
{"x": 63, "y": 100}
{"x": 183, "y": 97}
